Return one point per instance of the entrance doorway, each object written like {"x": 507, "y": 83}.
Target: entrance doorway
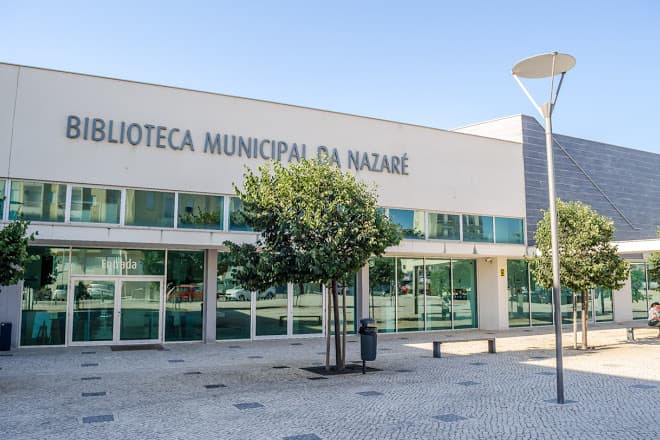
{"x": 115, "y": 310}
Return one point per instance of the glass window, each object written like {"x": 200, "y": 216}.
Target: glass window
{"x": 233, "y": 305}
{"x": 508, "y": 230}
{"x": 308, "y": 308}
{"x": 95, "y": 205}
{"x": 94, "y": 310}
{"x": 117, "y": 262}
{"x": 444, "y": 226}
{"x": 464, "y": 279}
{"x": 185, "y": 296}
{"x": 478, "y": 228}
{"x": 2, "y": 198}
{"x": 603, "y": 304}
{"x": 149, "y": 208}
{"x": 382, "y": 299}
{"x": 272, "y": 311}
{"x": 37, "y": 201}
{"x": 411, "y": 222}
{"x": 640, "y": 293}
{"x": 438, "y": 299}
{"x": 45, "y": 289}
{"x": 198, "y": 211}
{"x": 236, "y": 219}
{"x": 542, "y": 309}
{"x": 412, "y": 288}
{"x": 518, "y": 293}
{"x": 653, "y": 286}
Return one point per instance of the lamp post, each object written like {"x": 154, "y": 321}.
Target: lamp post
{"x": 544, "y": 66}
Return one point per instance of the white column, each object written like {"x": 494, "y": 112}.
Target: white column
{"x": 10, "y": 309}
{"x": 210, "y": 296}
{"x": 492, "y": 294}
{"x": 362, "y": 293}
{"x": 622, "y": 303}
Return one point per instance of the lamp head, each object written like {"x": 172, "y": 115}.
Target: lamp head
{"x": 544, "y": 65}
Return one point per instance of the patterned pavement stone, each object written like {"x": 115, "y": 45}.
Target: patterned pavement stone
{"x": 42, "y": 391}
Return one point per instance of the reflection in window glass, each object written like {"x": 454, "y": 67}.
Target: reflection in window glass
{"x": 307, "y": 308}
{"x": 640, "y": 293}
{"x": 95, "y": 205}
{"x": 236, "y": 219}
{"x": 444, "y": 226}
{"x": 411, "y": 222}
{"x": 412, "y": 288}
{"x": 438, "y": 297}
{"x": 43, "y": 315}
{"x": 603, "y": 304}
{"x": 198, "y": 211}
{"x": 149, "y": 208}
{"x": 478, "y": 228}
{"x": 93, "y": 310}
{"x": 542, "y": 308}
{"x": 382, "y": 293}
{"x": 653, "y": 287}
{"x": 518, "y": 293}
{"x": 272, "y": 311}
{"x": 233, "y": 305}
{"x": 465, "y": 293}
{"x": 37, "y": 201}
{"x": 140, "y": 310}
{"x": 508, "y": 230}
{"x": 184, "y": 296}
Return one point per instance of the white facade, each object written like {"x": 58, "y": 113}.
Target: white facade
{"x": 47, "y": 121}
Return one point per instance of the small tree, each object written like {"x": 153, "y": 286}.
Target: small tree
{"x": 14, "y": 251}
{"x": 316, "y": 224}
{"x": 654, "y": 264}
{"x": 587, "y": 258}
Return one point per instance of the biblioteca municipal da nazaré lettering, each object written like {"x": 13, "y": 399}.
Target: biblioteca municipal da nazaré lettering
{"x": 158, "y": 136}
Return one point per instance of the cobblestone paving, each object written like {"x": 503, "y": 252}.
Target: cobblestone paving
{"x": 222, "y": 393}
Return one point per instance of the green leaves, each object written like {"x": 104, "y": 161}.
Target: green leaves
{"x": 587, "y": 257}
{"x": 13, "y": 251}
{"x": 316, "y": 224}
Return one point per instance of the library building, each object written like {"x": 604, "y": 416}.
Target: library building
{"x": 129, "y": 188}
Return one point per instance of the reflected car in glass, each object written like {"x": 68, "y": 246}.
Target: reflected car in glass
{"x": 185, "y": 293}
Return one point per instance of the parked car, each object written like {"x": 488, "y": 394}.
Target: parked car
{"x": 460, "y": 294}
{"x": 186, "y": 293}
{"x": 241, "y": 294}
{"x": 59, "y": 294}
{"x": 100, "y": 291}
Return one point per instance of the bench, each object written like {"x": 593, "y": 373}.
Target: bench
{"x": 630, "y": 331}
{"x": 438, "y": 344}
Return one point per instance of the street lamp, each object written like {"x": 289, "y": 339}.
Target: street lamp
{"x": 544, "y": 66}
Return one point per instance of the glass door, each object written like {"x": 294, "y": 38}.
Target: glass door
{"x": 115, "y": 310}
{"x": 140, "y": 306}
{"x": 92, "y": 307}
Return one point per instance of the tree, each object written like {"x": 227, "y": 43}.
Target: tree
{"x": 14, "y": 251}
{"x": 654, "y": 264}
{"x": 587, "y": 258}
{"x": 316, "y": 224}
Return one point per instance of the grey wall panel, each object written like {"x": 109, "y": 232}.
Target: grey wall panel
{"x": 629, "y": 178}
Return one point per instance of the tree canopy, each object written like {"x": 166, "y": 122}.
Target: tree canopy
{"x": 587, "y": 258}
{"x": 316, "y": 224}
{"x": 14, "y": 251}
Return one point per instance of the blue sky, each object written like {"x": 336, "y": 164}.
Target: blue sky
{"x": 442, "y": 64}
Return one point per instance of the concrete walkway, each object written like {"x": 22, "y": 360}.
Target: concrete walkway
{"x": 257, "y": 390}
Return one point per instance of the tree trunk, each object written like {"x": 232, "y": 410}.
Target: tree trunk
{"x": 575, "y": 317}
{"x": 327, "y": 331}
{"x": 343, "y": 327}
{"x": 585, "y": 317}
{"x": 339, "y": 359}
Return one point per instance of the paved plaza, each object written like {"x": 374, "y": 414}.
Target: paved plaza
{"x": 257, "y": 390}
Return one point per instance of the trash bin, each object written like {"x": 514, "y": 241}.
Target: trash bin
{"x": 368, "y": 341}
{"x": 5, "y": 336}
